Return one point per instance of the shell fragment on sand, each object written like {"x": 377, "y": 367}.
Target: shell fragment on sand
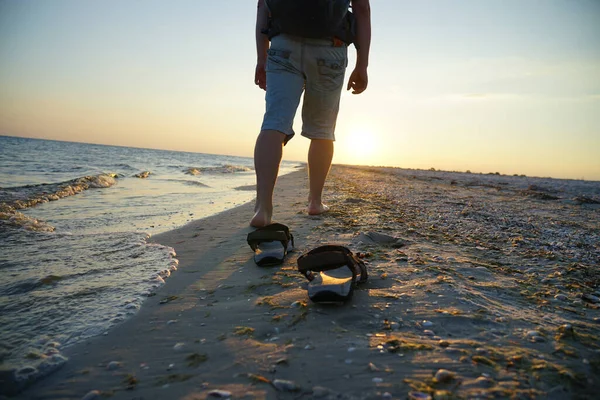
{"x": 221, "y": 394}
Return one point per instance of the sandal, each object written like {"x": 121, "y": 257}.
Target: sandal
{"x": 270, "y": 244}
{"x": 333, "y": 272}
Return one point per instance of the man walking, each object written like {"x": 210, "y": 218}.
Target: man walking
{"x": 307, "y": 59}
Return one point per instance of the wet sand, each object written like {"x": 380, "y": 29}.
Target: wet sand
{"x": 481, "y": 286}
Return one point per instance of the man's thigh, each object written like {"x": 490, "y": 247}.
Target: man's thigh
{"x": 325, "y": 69}
{"x": 285, "y": 83}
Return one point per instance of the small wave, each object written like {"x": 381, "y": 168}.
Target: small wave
{"x": 188, "y": 182}
{"x": 18, "y": 198}
{"x": 62, "y": 169}
{"x": 246, "y": 188}
{"x": 28, "y": 285}
{"x": 222, "y": 169}
{"x": 50, "y": 279}
{"x": 87, "y": 292}
{"x": 43, "y": 362}
{"x": 15, "y": 219}
{"x": 194, "y": 183}
{"x": 124, "y": 166}
{"x": 143, "y": 175}
{"x": 192, "y": 171}
{"x": 229, "y": 169}
{"x": 98, "y": 181}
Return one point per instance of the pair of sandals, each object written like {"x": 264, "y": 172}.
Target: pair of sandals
{"x": 332, "y": 271}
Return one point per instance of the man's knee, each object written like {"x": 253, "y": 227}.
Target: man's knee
{"x": 322, "y": 143}
{"x": 271, "y": 134}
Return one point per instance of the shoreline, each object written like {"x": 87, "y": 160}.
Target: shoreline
{"x": 213, "y": 243}
{"x": 479, "y": 296}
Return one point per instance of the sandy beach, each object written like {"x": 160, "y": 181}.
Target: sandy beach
{"x": 480, "y": 286}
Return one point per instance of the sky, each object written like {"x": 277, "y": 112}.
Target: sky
{"x": 508, "y": 86}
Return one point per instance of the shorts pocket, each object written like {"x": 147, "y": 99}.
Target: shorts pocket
{"x": 278, "y": 60}
{"x": 331, "y": 73}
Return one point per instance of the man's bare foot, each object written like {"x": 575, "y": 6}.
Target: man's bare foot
{"x": 260, "y": 219}
{"x": 317, "y": 208}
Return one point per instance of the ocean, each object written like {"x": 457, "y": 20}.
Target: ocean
{"x": 75, "y": 220}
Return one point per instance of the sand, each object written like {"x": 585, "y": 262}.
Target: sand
{"x": 481, "y": 286}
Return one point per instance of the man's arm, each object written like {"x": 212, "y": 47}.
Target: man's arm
{"x": 359, "y": 78}
{"x": 262, "y": 45}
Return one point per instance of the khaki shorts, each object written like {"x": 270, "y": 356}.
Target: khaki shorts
{"x": 312, "y": 66}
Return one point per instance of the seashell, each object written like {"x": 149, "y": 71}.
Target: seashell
{"x": 320, "y": 391}
{"x": 484, "y": 382}
{"x": 179, "y": 346}
{"x": 561, "y": 297}
{"x": 285, "y": 386}
{"x": 418, "y": 396}
{"x": 113, "y": 365}
{"x": 91, "y": 395}
{"x": 590, "y": 298}
{"x": 443, "y": 375}
{"x": 222, "y": 394}
{"x": 27, "y": 370}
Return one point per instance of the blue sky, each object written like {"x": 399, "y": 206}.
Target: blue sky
{"x": 509, "y": 86}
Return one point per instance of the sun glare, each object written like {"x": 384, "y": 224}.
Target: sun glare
{"x": 358, "y": 147}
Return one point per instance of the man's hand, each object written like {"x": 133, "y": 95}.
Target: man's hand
{"x": 262, "y": 45}
{"x": 358, "y": 81}
{"x": 359, "y": 78}
{"x": 260, "y": 75}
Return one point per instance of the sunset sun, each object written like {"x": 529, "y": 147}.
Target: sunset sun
{"x": 358, "y": 147}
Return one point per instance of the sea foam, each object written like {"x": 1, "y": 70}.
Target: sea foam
{"x": 23, "y": 197}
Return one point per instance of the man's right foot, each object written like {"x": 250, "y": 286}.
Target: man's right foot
{"x": 317, "y": 209}
{"x": 260, "y": 219}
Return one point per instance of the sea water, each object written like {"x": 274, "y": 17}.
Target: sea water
{"x": 74, "y": 226}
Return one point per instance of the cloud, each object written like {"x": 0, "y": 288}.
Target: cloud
{"x": 476, "y": 95}
{"x": 455, "y": 98}
{"x": 470, "y": 98}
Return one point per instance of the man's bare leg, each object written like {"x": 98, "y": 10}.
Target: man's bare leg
{"x": 320, "y": 155}
{"x": 267, "y": 157}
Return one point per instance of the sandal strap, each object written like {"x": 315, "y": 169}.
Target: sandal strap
{"x": 270, "y": 233}
{"x": 323, "y": 261}
{"x": 328, "y": 257}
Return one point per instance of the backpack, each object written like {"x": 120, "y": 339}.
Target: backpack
{"x": 311, "y": 19}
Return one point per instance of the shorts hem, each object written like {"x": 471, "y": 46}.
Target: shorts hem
{"x": 288, "y": 135}
{"x": 322, "y": 136}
